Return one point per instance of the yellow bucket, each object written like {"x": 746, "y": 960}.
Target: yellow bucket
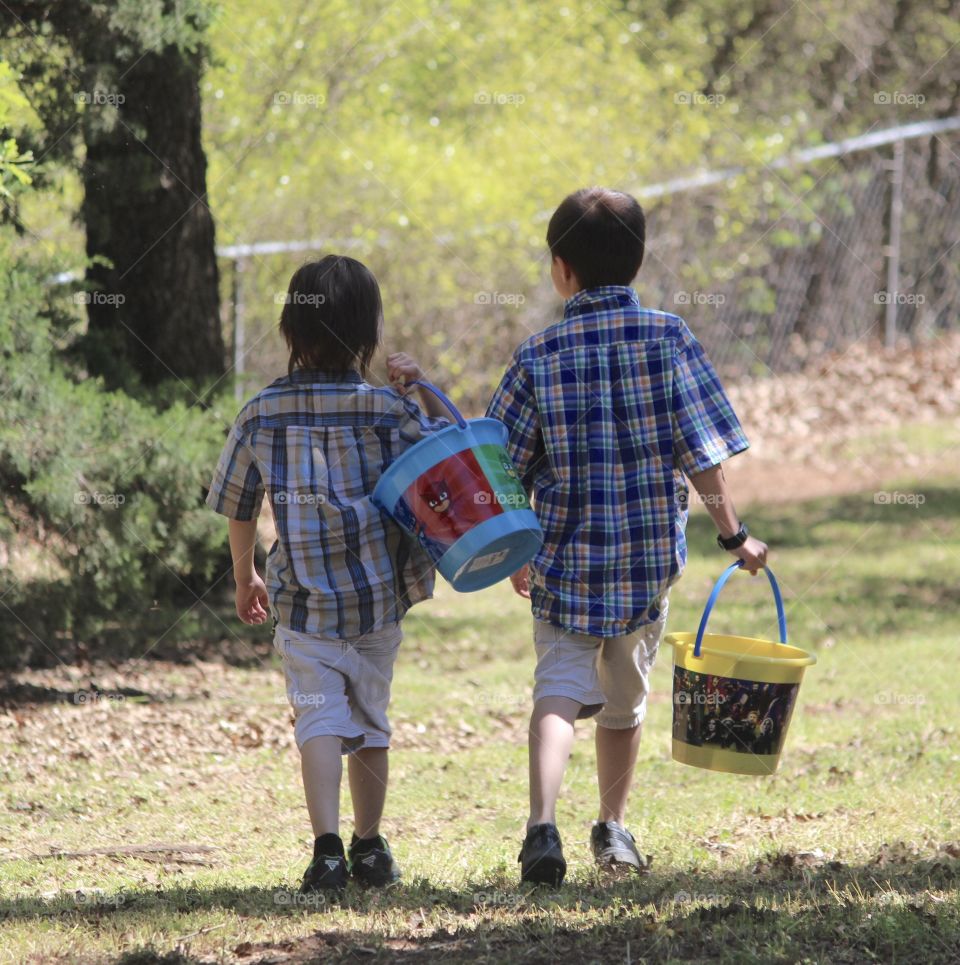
{"x": 733, "y": 697}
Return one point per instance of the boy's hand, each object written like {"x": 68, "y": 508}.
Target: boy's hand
{"x": 521, "y": 582}
{"x": 402, "y": 370}
{"x": 253, "y": 604}
{"x": 753, "y": 553}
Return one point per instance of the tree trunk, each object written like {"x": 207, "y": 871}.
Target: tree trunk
{"x": 154, "y": 308}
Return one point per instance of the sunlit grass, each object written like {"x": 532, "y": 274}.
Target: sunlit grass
{"x": 849, "y": 853}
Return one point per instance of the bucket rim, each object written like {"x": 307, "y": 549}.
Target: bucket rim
{"x": 400, "y": 467}
{"x": 808, "y": 660}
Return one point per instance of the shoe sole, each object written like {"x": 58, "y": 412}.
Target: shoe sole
{"x": 615, "y": 865}
{"x": 547, "y": 871}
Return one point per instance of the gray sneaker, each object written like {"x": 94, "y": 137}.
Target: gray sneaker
{"x": 614, "y": 845}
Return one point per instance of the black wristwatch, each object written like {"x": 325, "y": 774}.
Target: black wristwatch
{"x": 735, "y": 541}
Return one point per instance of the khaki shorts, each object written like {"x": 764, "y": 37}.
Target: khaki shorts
{"x": 340, "y": 688}
{"x": 609, "y": 676}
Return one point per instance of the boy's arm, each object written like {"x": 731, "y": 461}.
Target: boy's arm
{"x": 712, "y": 487}
{"x": 401, "y": 369}
{"x": 253, "y": 604}
{"x": 514, "y": 404}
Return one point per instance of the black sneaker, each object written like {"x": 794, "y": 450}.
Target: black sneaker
{"x": 614, "y": 845}
{"x": 328, "y": 869}
{"x": 371, "y": 862}
{"x": 541, "y": 857}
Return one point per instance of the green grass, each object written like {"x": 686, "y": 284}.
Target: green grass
{"x": 848, "y": 854}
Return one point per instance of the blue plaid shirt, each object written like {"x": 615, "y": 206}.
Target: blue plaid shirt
{"x": 316, "y": 445}
{"x": 607, "y": 411}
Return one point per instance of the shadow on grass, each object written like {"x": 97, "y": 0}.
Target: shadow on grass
{"x": 779, "y": 912}
{"x": 179, "y": 631}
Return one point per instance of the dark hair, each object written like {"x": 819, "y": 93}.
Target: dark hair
{"x": 332, "y": 316}
{"x": 599, "y": 233}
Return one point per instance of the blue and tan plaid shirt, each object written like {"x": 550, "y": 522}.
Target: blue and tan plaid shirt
{"x": 607, "y": 411}
{"x": 316, "y": 444}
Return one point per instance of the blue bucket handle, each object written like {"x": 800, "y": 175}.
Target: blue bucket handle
{"x": 724, "y": 576}
{"x": 454, "y": 411}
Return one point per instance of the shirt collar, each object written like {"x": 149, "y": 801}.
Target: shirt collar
{"x": 598, "y": 299}
{"x": 321, "y": 375}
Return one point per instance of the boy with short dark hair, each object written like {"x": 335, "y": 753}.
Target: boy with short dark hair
{"x": 607, "y": 412}
{"x": 341, "y": 575}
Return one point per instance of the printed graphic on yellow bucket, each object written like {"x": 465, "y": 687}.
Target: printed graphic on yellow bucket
{"x": 733, "y": 696}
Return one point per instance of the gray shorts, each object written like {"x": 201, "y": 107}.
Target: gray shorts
{"x": 609, "y": 676}
{"x": 340, "y": 688}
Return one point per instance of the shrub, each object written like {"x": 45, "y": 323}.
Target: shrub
{"x": 103, "y": 493}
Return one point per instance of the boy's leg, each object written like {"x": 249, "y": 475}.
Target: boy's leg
{"x": 565, "y": 688}
{"x": 315, "y": 669}
{"x": 322, "y": 769}
{"x": 371, "y": 860}
{"x": 624, "y": 670}
{"x": 550, "y": 743}
{"x": 616, "y": 759}
{"x": 368, "y": 769}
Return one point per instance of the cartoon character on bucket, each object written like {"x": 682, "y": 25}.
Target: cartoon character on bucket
{"x": 437, "y": 496}
{"x": 450, "y": 499}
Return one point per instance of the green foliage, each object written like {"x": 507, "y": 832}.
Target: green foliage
{"x": 102, "y": 493}
{"x": 429, "y": 139}
{"x": 13, "y": 167}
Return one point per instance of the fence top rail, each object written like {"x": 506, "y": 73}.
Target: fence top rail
{"x": 849, "y": 145}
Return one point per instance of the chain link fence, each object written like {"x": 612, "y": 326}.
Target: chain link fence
{"x": 859, "y": 246}
{"x": 855, "y": 240}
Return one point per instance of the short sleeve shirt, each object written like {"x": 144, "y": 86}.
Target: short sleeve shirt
{"x": 606, "y": 412}
{"x": 315, "y": 446}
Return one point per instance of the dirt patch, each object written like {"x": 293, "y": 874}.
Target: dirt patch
{"x": 804, "y": 428}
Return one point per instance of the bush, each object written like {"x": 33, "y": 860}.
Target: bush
{"x": 103, "y": 493}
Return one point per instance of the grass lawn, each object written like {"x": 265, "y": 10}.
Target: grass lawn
{"x": 850, "y": 853}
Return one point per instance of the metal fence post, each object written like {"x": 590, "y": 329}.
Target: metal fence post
{"x": 893, "y": 246}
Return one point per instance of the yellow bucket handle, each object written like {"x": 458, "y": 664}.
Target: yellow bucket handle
{"x": 719, "y": 585}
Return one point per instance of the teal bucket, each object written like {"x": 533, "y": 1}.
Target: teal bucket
{"x": 458, "y": 493}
